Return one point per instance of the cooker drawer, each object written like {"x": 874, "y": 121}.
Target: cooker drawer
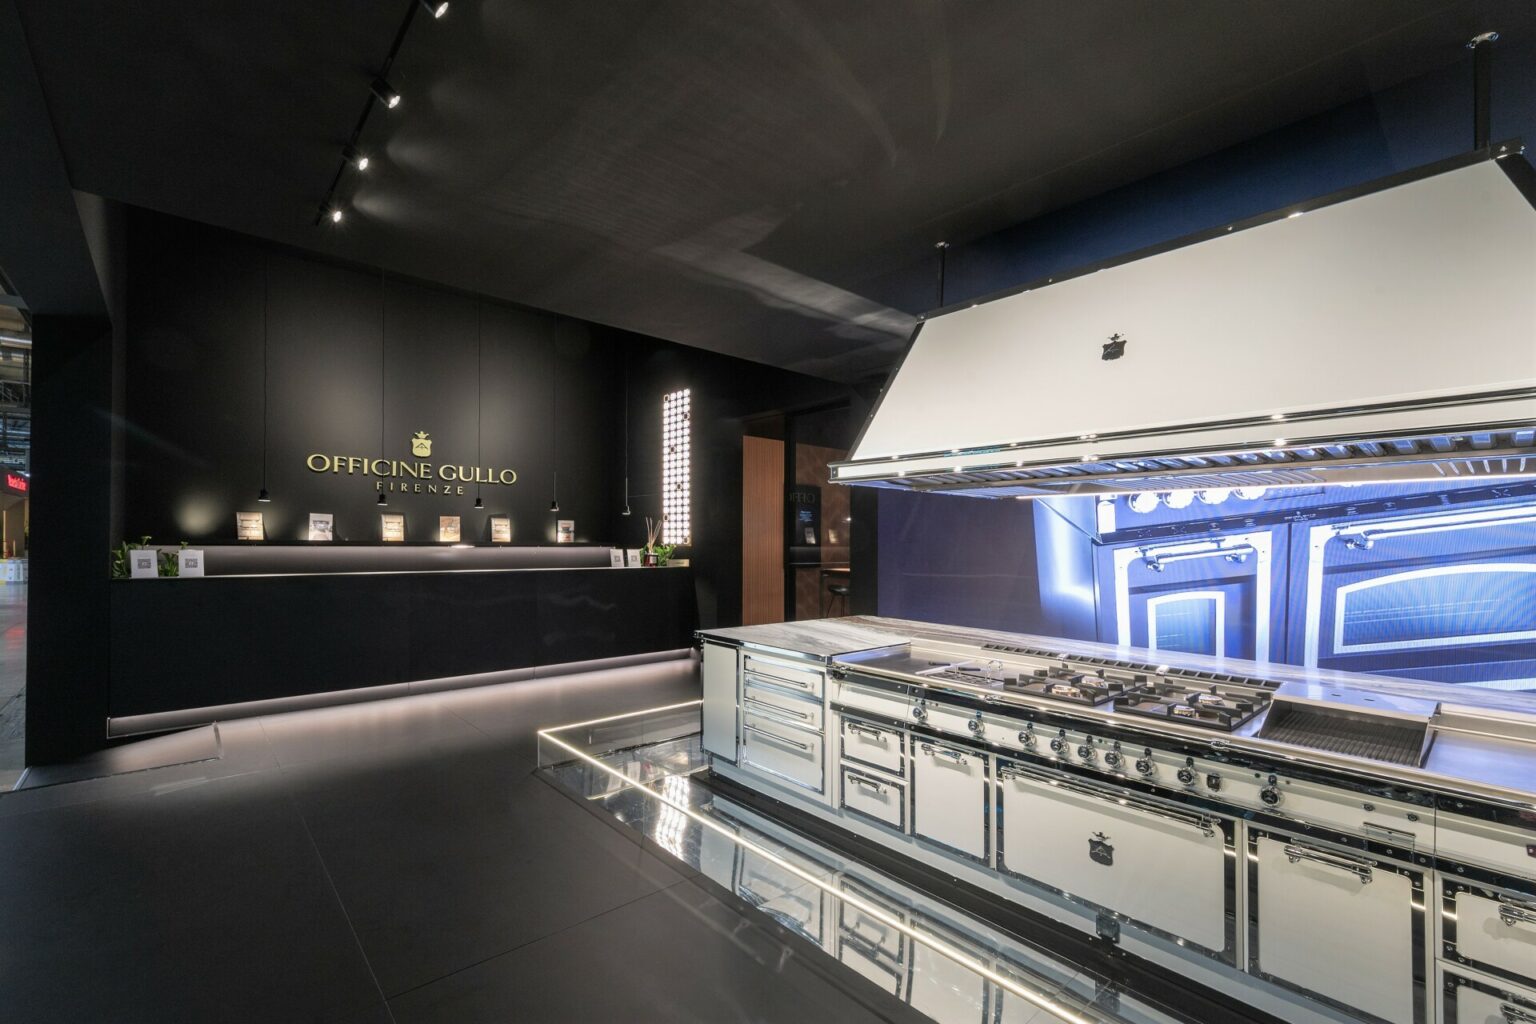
{"x": 801, "y": 678}
{"x": 951, "y": 797}
{"x": 781, "y": 750}
{"x": 758, "y": 698}
{"x": 1466, "y": 1000}
{"x": 876, "y": 798}
{"x": 877, "y": 745}
{"x": 1490, "y": 929}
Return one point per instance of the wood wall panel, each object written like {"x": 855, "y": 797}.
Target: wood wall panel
{"x": 762, "y": 530}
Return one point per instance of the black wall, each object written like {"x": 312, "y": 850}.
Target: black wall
{"x": 347, "y": 374}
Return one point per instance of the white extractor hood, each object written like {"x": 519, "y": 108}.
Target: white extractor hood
{"x": 1388, "y": 334}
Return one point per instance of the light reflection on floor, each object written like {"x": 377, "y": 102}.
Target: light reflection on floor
{"x": 943, "y": 989}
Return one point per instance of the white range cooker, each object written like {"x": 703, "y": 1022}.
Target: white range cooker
{"x": 1323, "y": 847}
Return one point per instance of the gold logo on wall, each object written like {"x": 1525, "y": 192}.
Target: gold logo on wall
{"x": 401, "y": 477}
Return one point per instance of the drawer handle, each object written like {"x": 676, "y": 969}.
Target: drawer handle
{"x": 778, "y": 710}
{"x": 1515, "y": 1015}
{"x": 775, "y": 736}
{"x": 1193, "y": 819}
{"x": 860, "y": 729}
{"x": 859, "y": 780}
{"x": 790, "y": 680}
{"x": 1359, "y": 868}
{"x": 953, "y": 755}
{"x": 1514, "y": 913}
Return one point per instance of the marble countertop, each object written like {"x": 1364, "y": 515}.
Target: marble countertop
{"x": 818, "y": 638}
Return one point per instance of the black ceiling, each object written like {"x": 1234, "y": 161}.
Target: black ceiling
{"x": 731, "y": 174}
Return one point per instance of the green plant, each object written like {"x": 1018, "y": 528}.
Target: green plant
{"x": 120, "y": 557}
{"x": 169, "y": 562}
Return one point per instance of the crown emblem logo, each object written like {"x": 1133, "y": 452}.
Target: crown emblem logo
{"x": 421, "y": 444}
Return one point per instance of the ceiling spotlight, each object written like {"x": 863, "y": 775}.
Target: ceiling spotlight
{"x": 479, "y": 503}
{"x": 436, "y": 8}
{"x": 356, "y": 157}
{"x": 385, "y": 93}
{"x": 382, "y": 500}
{"x": 554, "y": 505}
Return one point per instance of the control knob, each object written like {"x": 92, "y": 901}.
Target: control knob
{"x": 919, "y": 712}
{"x": 1059, "y": 744}
{"x": 976, "y": 725}
{"x": 1270, "y": 794}
{"x": 1113, "y": 759}
{"x": 1027, "y": 738}
{"x": 1187, "y": 774}
{"x": 1086, "y": 751}
{"x": 1145, "y": 765}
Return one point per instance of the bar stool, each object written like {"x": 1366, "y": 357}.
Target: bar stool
{"x": 835, "y": 592}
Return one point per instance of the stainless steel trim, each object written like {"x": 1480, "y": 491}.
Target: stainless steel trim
{"x": 1514, "y": 1015}
{"x": 1397, "y": 837}
{"x": 848, "y": 772}
{"x": 868, "y": 730}
{"x": 1361, "y": 867}
{"x": 775, "y": 736}
{"x": 1511, "y": 1005}
{"x": 956, "y": 756}
{"x": 1521, "y": 912}
{"x": 750, "y": 674}
{"x": 860, "y": 780}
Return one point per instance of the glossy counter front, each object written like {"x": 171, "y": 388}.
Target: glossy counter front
{"x": 185, "y": 650}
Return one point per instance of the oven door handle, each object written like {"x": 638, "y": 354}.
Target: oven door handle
{"x": 1360, "y": 867}
{"x": 860, "y": 729}
{"x": 1192, "y": 818}
{"x": 954, "y": 755}
{"x": 1361, "y": 538}
{"x": 1515, "y": 1015}
{"x": 1235, "y": 553}
{"x": 1516, "y": 913}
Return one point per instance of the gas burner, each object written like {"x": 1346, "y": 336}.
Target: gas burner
{"x": 1066, "y": 684}
{"x": 1214, "y": 708}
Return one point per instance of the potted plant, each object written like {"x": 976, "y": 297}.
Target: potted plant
{"x": 655, "y": 553}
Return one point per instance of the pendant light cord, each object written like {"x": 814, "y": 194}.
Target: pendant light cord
{"x": 265, "y": 371}
{"x": 479, "y": 398}
{"x": 383, "y": 394}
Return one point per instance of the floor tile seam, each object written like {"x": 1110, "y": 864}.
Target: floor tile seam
{"x": 542, "y": 938}
{"x": 341, "y": 904}
{"x": 59, "y": 787}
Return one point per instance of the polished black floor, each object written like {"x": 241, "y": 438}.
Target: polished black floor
{"x": 395, "y": 861}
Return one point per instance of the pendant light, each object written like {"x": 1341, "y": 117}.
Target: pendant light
{"x": 264, "y": 497}
{"x": 554, "y": 437}
{"x": 625, "y": 511}
{"x": 479, "y": 401}
{"x": 383, "y": 404}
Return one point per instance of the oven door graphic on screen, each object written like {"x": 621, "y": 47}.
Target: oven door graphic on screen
{"x": 1202, "y": 597}
{"x": 1449, "y": 596}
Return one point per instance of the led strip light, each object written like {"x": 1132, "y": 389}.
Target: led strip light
{"x": 676, "y": 467}
{"x": 932, "y": 942}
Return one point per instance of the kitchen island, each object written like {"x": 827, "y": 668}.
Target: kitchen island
{"x": 1278, "y": 834}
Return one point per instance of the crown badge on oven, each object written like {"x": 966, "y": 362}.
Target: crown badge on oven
{"x": 421, "y": 444}
{"x": 1114, "y": 348}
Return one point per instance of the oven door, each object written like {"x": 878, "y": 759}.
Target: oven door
{"x": 1449, "y": 596}
{"x": 1216, "y": 596}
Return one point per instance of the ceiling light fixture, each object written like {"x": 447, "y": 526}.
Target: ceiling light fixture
{"x": 436, "y": 8}
{"x": 356, "y": 157}
{"x": 386, "y": 93}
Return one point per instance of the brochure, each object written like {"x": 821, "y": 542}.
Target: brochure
{"x": 248, "y": 526}
{"x": 448, "y": 529}
{"x": 501, "y": 530}
{"x": 320, "y": 525}
{"x": 392, "y": 526}
{"x": 565, "y": 532}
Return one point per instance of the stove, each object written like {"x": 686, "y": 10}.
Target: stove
{"x": 1211, "y": 707}
{"x": 1076, "y": 686}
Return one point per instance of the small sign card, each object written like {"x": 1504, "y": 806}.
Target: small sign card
{"x": 448, "y": 529}
{"x": 501, "y": 530}
{"x": 616, "y": 558}
{"x": 565, "y": 531}
{"x": 392, "y": 526}
{"x": 632, "y": 557}
{"x": 143, "y": 563}
{"x": 320, "y": 524}
{"x": 189, "y": 562}
{"x": 248, "y": 526}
